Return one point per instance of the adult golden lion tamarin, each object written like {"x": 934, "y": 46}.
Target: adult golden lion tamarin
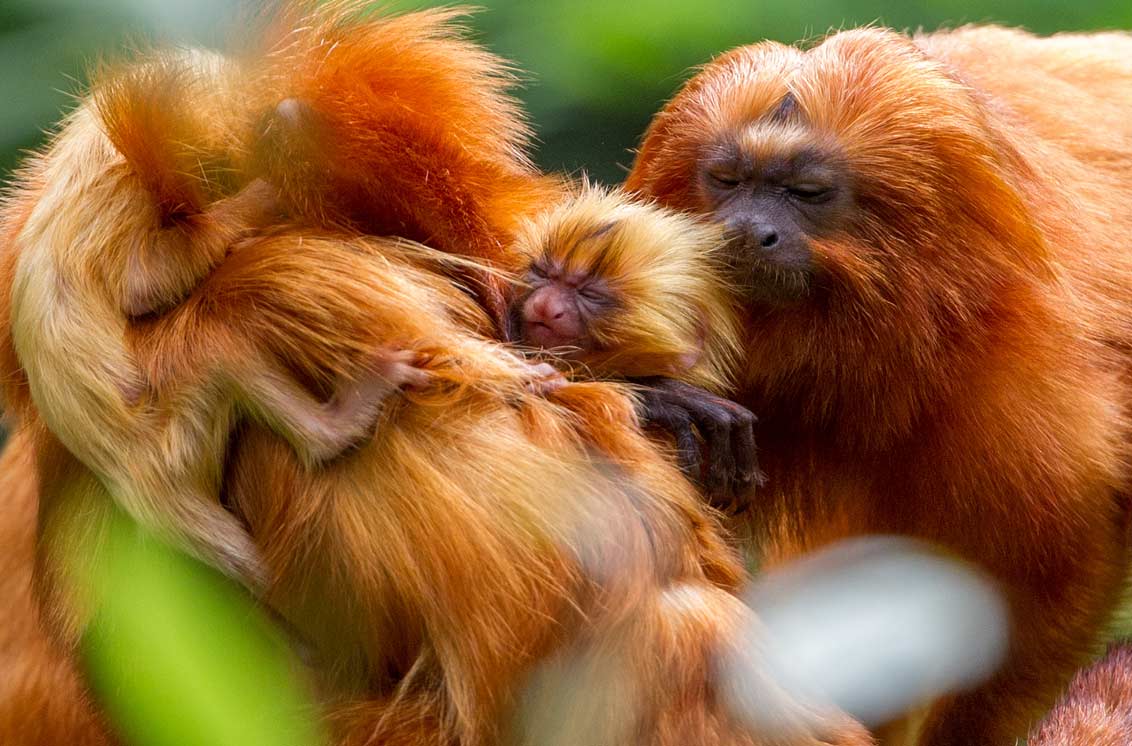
{"x": 485, "y": 538}
{"x": 930, "y": 235}
{"x": 126, "y": 226}
{"x": 484, "y": 533}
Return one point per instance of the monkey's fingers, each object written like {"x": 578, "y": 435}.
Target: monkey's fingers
{"x": 491, "y": 292}
{"x": 658, "y": 412}
{"x": 715, "y": 426}
{"x": 731, "y": 468}
{"x": 401, "y": 368}
{"x": 747, "y": 472}
{"x": 416, "y": 378}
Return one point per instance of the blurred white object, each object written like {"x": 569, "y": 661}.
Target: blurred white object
{"x": 874, "y": 627}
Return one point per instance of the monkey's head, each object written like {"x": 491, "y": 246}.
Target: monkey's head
{"x": 868, "y": 194}
{"x": 627, "y": 288}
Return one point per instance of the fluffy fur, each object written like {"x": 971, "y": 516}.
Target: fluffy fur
{"x": 575, "y": 547}
{"x": 487, "y": 535}
{"x": 355, "y": 138}
{"x": 443, "y": 600}
{"x": 43, "y": 701}
{"x": 1096, "y": 710}
{"x": 663, "y": 308}
{"x": 954, "y": 364}
{"x": 122, "y": 227}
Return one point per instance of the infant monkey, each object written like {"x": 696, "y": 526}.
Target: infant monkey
{"x": 627, "y": 289}
{"x": 116, "y": 219}
{"x": 633, "y": 290}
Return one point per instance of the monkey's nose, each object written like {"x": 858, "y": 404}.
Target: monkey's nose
{"x": 766, "y": 235}
{"x": 549, "y": 320}
{"x": 547, "y": 307}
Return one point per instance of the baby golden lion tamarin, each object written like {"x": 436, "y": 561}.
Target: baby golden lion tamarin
{"x": 631, "y": 289}
{"x": 628, "y": 289}
{"x": 123, "y": 215}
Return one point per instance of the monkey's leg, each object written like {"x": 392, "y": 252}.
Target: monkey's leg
{"x": 183, "y": 253}
{"x": 320, "y": 431}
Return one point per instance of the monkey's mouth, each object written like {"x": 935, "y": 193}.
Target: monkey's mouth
{"x": 538, "y": 334}
{"x": 776, "y": 280}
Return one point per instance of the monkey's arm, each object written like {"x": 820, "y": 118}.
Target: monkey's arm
{"x": 731, "y": 468}
{"x": 321, "y": 430}
{"x": 183, "y": 253}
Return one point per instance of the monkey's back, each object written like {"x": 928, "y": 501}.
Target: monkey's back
{"x": 1064, "y": 103}
{"x": 485, "y": 525}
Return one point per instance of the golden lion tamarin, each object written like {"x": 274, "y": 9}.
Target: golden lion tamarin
{"x": 930, "y": 238}
{"x": 125, "y": 226}
{"x": 354, "y": 135}
{"x": 485, "y": 538}
{"x": 474, "y": 561}
{"x": 487, "y": 532}
{"x": 633, "y": 290}
{"x": 628, "y": 289}
{"x": 351, "y": 134}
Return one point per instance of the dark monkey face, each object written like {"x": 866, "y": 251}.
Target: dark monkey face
{"x": 774, "y": 192}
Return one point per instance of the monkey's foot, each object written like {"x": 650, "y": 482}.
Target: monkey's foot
{"x": 402, "y": 368}
{"x": 544, "y": 378}
{"x": 726, "y": 462}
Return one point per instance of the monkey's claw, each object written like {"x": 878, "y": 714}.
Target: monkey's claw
{"x": 715, "y": 437}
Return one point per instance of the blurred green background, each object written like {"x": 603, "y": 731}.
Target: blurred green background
{"x": 595, "y": 70}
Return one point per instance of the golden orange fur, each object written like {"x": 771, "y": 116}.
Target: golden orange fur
{"x": 665, "y": 308}
{"x": 954, "y": 362}
{"x": 354, "y": 135}
{"x": 442, "y": 599}
{"x": 486, "y": 535}
{"x": 43, "y": 701}
{"x": 122, "y": 228}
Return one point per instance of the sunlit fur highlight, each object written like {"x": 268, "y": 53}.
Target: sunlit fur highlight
{"x": 123, "y": 167}
{"x": 959, "y": 369}
{"x": 361, "y": 140}
{"x": 671, "y": 315}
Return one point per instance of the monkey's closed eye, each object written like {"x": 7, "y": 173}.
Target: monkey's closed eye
{"x": 724, "y": 180}
{"x": 591, "y": 294}
{"x": 808, "y": 192}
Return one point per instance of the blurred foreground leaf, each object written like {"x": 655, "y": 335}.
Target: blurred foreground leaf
{"x": 179, "y": 655}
